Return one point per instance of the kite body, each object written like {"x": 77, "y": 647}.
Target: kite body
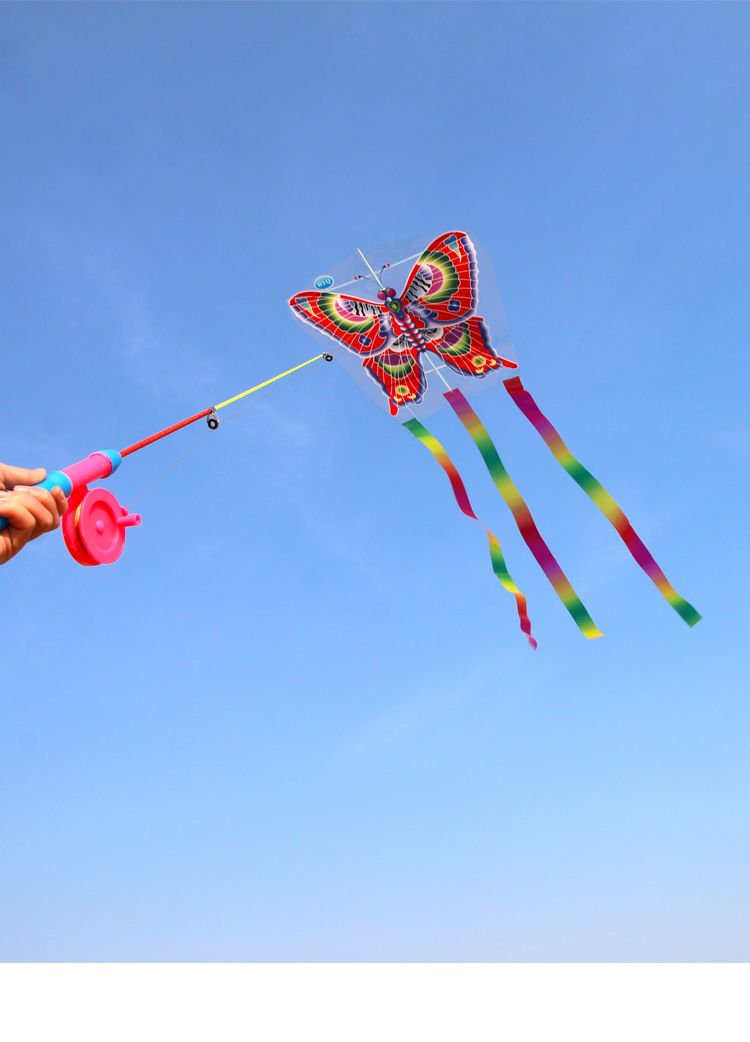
{"x": 435, "y": 313}
{"x": 419, "y": 349}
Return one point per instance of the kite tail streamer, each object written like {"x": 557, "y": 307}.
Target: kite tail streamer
{"x": 521, "y": 514}
{"x": 601, "y": 497}
{"x": 462, "y": 498}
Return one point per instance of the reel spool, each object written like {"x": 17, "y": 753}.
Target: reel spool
{"x": 94, "y": 526}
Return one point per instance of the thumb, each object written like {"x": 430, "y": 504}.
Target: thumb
{"x": 11, "y": 476}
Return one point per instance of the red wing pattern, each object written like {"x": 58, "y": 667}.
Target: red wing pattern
{"x": 466, "y": 348}
{"x": 440, "y": 298}
{"x": 399, "y": 373}
{"x": 442, "y": 286}
{"x": 361, "y": 325}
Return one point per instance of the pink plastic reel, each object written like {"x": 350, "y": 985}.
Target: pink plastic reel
{"x": 94, "y": 526}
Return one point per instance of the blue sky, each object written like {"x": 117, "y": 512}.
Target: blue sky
{"x": 296, "y": 720}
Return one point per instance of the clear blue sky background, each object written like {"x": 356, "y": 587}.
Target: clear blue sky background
{"x": 297, "y": 721}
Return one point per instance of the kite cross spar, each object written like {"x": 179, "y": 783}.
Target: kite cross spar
{"x": 95, "y": 523}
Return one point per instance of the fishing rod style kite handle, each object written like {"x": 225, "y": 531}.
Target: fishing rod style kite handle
{"x": 94, "y": 524}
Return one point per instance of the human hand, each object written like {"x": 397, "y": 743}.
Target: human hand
{"x": 30, "y": 511}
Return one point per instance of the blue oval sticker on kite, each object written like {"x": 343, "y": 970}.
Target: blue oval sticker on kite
{"x": 323, "y": 282}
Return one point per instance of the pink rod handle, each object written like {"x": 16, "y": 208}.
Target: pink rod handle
{"x": 97, "y": 465}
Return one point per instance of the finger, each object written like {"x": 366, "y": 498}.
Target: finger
{"x": 22, "y": 526}
{"x": 46, "y": 504}
{"x": 17, "y": 513}
{"x": 40, "y": 503}
{"x": 12, "y": 476}
{"x": 54, "y": 501}
{"x": 61, "y": 500}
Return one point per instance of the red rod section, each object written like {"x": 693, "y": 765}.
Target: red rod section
{"x": 165, "y": 432}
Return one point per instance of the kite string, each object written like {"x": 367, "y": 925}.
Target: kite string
{"x": 231, "y": 416}
{"x": 213, "y": 409}
{"x": 166, "y": 470}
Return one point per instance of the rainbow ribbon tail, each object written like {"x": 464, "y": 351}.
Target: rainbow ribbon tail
{"x": 462, "y": 499}
{"x": 521, "y": 514}
{"x": 596, "y": 492}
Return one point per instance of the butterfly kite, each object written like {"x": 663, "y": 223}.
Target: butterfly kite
{"x": 422, "y": 348}
{"x": 414, "y": 352}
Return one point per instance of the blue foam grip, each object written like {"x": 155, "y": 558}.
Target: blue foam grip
{"x": 114, "y": 457}
{"x": 57, "y": 478}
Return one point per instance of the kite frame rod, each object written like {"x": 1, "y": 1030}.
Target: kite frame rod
{"x": 376, "y": 277}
